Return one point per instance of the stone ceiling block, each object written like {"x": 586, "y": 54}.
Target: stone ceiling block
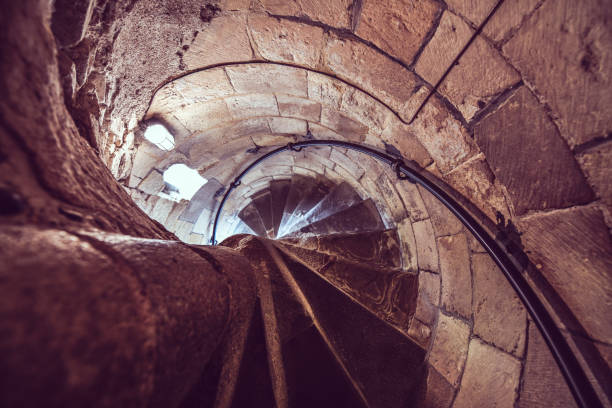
{"x": 508, "y": 18}
{"x": 528, "y": 156}
{"x": 429, "y": 297}
{"x": 456, "y": 275}
{"x": 286, "y": 41}
{"x": 415, "y": 207}
{"x": 290, "y": 106}
{"x": 268, "y": 78}
{"x": 443, "y": 221}
{"x": 359, "y": 64}
{"x": 572, "y": 69}
{"x": 492, "y": 370}
{"x": 409, "y": 247}
{"x": 450, "y": 347}
{"x": 335, "y": 13}
{"x": 450, "y": 37}
{"x": 349, "y": 129}
{"x": 153, "y": 183}
{"x": 200, "y": 116}
{"x": 596, "y": 163}
{"x": 202, "y": 86}
{"x": 287, "y": 126}
{"x": 223, "y": 40}
{"x": 403, "y": 139}
{"x": 326, "y": 90}
{"x": 367, "y": 110}
{"x": 246, "y": 106}
{"x": 427, "y": 250}
{"x": 398, "y": 27}
{"x": 573, "y": 251}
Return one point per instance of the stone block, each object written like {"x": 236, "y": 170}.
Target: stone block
{"x": 442, "y": 220}
{"x": 436, "y": 392}
{"x": 415, "y": 207}
{"x": 420, "y": 333}
{"x": 596, "y": 163}
{"x": 499, "y": 315}
{"x": 343, "y": 125}
{"x": 476, "y": 182}
{"x": 326, "y": 90}
{"x": 429, "y": 297}
{"x": 322, "y": 132}
{"x": 286, "y": 41}
{"x": 456, "y": 275}
{"x": 153, "y": 183}
{"x": 161, "y": 210}
{"x": 543, "y": 383}
{"x": 409, "y": 247}
{"x": 398, "y": 27}
{"x": 357, "y": 63}
{"x": 268, "y": 78}
{"x": 202, "y": 86}
{"x": 201, "y": 116}
{"x": 573, "y": 251}
{"x": 246, "y": 106}
{"x": 367, "y": 110}
{"x": 450, "y": 37}
{"x": 491, "y": 378}
{"x": 335, "y": 13}
{"x": 427, "y": 251}
{"x": 393, "y": 200}
{"x": 403, "y": 139}
{"x": 474, "y": 10}
{"x": 443, "y": 136}
{"x": 347, "y": 163}
{"x": 144, "y": 161}
{"x": 572, "y": 69}
{"x": 450, "y": 348}
{"x": 472, "y": 84}
{"x": 224, "y": 40}
{"x": 290, "y": 106}
{"x": 287, "y": 126}
{"x": 510, "y": 15}
{"x": 543, "y": 174}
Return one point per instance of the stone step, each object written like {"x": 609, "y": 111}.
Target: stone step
{"x": 279, "y": 190}
{"x": 339, "y": 198}
{"x": 357, "y": 218}
{"x": 262, "y": 201}
{"x": 300, "y": 187}
{"x": 250, "y": 216}
{"x": 309, "y": 199}
{"x": 379, "y": 247}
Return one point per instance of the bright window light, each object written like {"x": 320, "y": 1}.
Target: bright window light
{"x": 187, "y": 181}
{"x": 159, "y": 136}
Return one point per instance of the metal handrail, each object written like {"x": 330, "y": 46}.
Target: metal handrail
{"x": 572, "y": 371}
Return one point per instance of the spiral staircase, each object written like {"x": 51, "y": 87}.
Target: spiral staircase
{"x": 329, "y": 326}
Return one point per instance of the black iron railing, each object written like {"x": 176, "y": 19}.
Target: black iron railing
{"x": 573, "y": 373}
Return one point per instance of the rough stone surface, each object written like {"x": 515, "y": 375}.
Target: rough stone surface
{"x": 409, "y": 246}
{"x": 427, "y": 251}
{"x": 545, "y": 174}
{"x": 543, "y": 384}
{"x": 456, "y": 276}
{"x": 508, "y": 18}
{"x": 492, "y": 370}
{"x": 301, "y": 108}
{"x": 225, "y": 40}
{"x": 343, "y": 125}
{"x": 245, "y": 106}
{"x": 442, "y": 220}
{"x": 577, "y": 38}
{"x": 420, "y": 333}
{"x": 499, "y": 316}
{"x": 403, "y": 139}
{"x": 596, "y": 163}
{"x": 286, "y": 41}
{"x": 450, "y": 348}
{"x": 445, "y": 138}
{"x": 429, "y": 297}
{"x": 451, "y": 36}
{"x": 335, "y": 13}
{"x": 471, "y": 85}
{"x": 436, "y": 392}
{"x": 574, "y": 253}
{"x": 415, "y": 207}
{"x": 399, "y": 27}
{"x": 360, "y": 65}
{"x": 271, "y": 78}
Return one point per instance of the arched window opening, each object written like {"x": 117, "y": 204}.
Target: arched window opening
{"x": 183, "y": 181}
{"x": 159, "y": 136}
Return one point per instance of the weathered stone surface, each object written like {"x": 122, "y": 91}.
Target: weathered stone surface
{"x": 161, "y": 210}
{"x": 450, "y": 37}
{"x": 427, "y": 251}
{"x": 415, "y": 207}
{"x": 499, "y": 316}
{"x": 456, "y": 276}
{"x": 450, "y": 347}
{"x": 420, "y": 333}
{"x": 286, "y": 41}
{"x": 301, "y": 108}
{"x": 442, "y": 220}
{"x": 246, "y": 106}
{"x": 471, "y": 85}
{"x": 409, "y": 246}
{"x": 491, "y": 378}
{"x": 343, "y": 125}
{"x": 70, "y": 20}
{"x": 398, "y": 27}
{"x": 379, "y": 76}
{"x": 403, "y": 139}
{"x": 200, "y": 116}
{"x": 510, "y": 15}
{"x": 326, "y": 90}
{"x": 224, "y": 40}
{"x": 341, "y": 159}
{"x": 435, "y": 391}
{"x": 544, "y": 174}
{"x": 335, "y": 13}
{"x": 475, "y": 181}
{"x": 444, "y": 137}
{"x": 573, "y": 249}
{"x": 365, "y": 109}
{"x": 287, "y": 125}
{"x": 153, "y": 183}
{"x": 543, "y": 384}
{"x": 474, "y": 10}
{"x": 393, "y": 200}
{"x": 271, "y": 78}
{"x": 201, "y": 86}
{"x": 429, "y": 297}
{"x": 574, "y": 40}
{"x": 596, "y": 163}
